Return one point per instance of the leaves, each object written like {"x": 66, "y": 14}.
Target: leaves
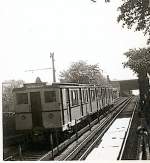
{"x": 135, "y": 13}
{"x": 138, "y": 60}
{"x": 7, "y": 96}
{"x": 81, "y": 72}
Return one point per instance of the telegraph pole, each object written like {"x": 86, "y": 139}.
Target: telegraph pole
{"x": 53, "y": 66}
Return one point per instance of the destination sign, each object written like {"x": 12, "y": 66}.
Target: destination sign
{"x": 35, "y": 85}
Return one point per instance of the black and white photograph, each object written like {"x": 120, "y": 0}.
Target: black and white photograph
{"x": 75, "y": 80}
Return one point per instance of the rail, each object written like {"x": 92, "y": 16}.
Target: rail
{"x": 102, "y": 133}
{"x": 66, "y": 143}
{"x": 127, "y": 133}
{"x": 103, "y": 126}
{"x": 48, "y": 155}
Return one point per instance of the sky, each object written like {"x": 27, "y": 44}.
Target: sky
{"x": 73, "y": 29}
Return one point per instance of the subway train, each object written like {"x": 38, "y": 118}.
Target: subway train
{"x": 39, "y": 106}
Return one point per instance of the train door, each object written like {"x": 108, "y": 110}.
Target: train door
{"x": 68, "y": 105}
{"x": 36, "y": 109}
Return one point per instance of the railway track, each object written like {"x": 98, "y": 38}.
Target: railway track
{"x": 81, "y": 151}
{"x": 120, "y": 156}
{"x": 55, "y": 154}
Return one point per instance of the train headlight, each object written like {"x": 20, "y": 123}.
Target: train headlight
{"x": 23, "y": 117}
{"x": 50, "y": 115}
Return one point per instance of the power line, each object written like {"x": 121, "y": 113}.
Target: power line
{"x": 38, "y": 69}
{"x": 53, "y": 68}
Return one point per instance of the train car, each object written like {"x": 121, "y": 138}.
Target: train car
{"x": 57, "y": 106}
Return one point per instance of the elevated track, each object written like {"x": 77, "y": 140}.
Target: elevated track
{"x": 79, "y": 145}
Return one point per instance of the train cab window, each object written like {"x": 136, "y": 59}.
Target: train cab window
{"x": 50, "y": 96}
{"x": 74, "y": 97}
{"x": 22, "y": 98}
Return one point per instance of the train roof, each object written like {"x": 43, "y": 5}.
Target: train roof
{"x": 55, "y": 85}
{"x": 31, "y": 85}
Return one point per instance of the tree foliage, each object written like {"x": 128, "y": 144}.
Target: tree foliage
{"x": 138, "y": 60}
{"x": 136, "y": 13}
{"x": 7, "y": 96}
{"x": 81, "y": 72}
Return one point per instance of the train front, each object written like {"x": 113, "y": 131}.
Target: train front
{"x": 37, "y": 109}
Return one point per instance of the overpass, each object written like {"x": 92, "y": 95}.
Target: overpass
{"x": 125, "y": 86}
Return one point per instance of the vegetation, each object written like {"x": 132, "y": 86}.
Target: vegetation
{"x": 81, "y": 72}
{"x": 139, "y": 62}
{"x": 7, "y": 96}
{"x": 136, "y": 13}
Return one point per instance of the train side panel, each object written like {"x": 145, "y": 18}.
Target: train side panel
{"x": 52, "y": 119}
{"x": 51, "y": 112}
{"x": 24, "y": 121}
{"x": 23, "y": 118}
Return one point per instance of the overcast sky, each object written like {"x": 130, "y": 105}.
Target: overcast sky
{"x": 73, "y": 29}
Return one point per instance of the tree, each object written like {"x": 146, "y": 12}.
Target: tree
{"x": 139, "y": 62}
{"x": 81, "y": 72}
{"x": 136, "y": 13}
{"x": 7, "y": 96}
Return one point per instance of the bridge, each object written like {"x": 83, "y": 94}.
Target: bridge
{"x": 125, "y": 86}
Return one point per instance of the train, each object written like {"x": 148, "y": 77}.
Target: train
{"x": 46, "y": 107}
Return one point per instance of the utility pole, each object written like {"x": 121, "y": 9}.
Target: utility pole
{"x": 53, "y": 66}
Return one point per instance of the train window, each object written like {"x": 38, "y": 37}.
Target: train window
{"x": 87, "y": 99}
{"x": 98, "y": 93}
{"x": 106, "y": 91}
{"x": 50, "y": 96}
{"x": 85, "y": 96}
{"x": 74, "y": 97}
{"x": 92, "y": 95}
{"x": 22, "y": 98}
{"x": 103, "y": 92}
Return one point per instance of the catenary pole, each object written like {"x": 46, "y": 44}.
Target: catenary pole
{"x": 53, "y": 66}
